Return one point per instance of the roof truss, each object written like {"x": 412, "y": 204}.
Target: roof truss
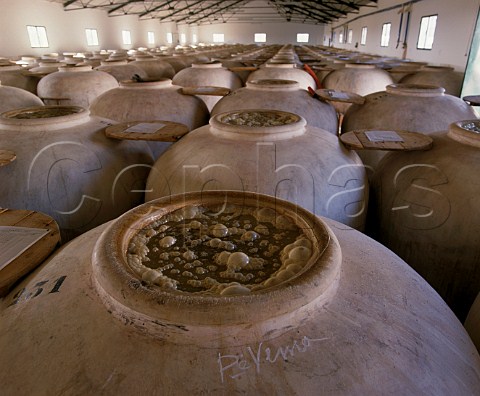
{"x": 200, "y": 12}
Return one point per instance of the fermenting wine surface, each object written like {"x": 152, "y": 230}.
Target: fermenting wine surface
{"x": 226, "y": 250}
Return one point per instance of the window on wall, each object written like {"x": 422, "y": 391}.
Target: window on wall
{"x": 350, "y": 36}
{"x": 183, "y": 38}
{"x": 194, "y": 38}
{"x": 427, "y": 32}
{"x": 37, "y": 36}
{"x": 363, "y": 39}
{"x": 340, "y": 37}
{"x": 218, "y": 37}
{"x": 302, "y": 37}
{"x": 151, "y": 37}
{"x": 92, "y": 37}
{"x": 260, "y": 38}
{"x": 385, "y": 34}
{"x": 169, "y": 38}
{"x": 126, "y": 38}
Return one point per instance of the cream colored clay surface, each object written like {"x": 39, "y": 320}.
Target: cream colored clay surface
{"x": 427, "y": 212}
{"x": 78, "y": 88}
{"x": 68, "y": 169}
{"x": 14, "y": 98}
{"x": 414, "y": 108}
{"x": 284, "y": 73}
{"x": 207, "y": 75}
{"x": 295, "y": 162}
{"x": 382, "y": 330}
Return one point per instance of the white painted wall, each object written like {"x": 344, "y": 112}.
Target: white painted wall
{"x": 66, "y": 30}
{"x": 455, "y": 25}
{"x": 277, "y": 33}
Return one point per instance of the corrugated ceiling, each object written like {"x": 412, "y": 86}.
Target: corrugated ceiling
{"x": 194, "y": 12}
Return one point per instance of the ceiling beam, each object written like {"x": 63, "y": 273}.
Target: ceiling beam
{"x": 216, "y": 11}
{"x": 281, "y": 10}
{"x": 154, "y": 9}
{"x": 328, "y": 7}
{"x": 200, "y": 10}
{"x": 348, "y": 4}
{"x": 81, "y": 6}
{"x": 274, "y": 20}
{"x": 67, "y": 3}
{"x": 322, "y": 11}
{"x": 305, "y": 8}
{"x": 121, "y": 5}
{"x": 179, "y": 10}
{"x": 307, "y": 13}
{"x": 310, "y": 12}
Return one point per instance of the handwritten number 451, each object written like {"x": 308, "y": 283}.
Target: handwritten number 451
{"x": 22, "y": 294}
